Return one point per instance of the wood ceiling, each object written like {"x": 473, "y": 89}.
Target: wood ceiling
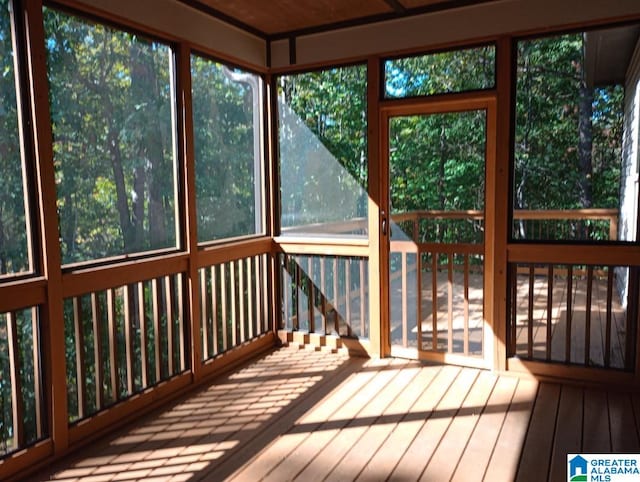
{"x": 273, "y": 19}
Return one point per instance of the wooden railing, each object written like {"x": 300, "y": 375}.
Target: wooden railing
{"x": 123, "y": 340}
{"x": 570, "y": 314}
{"x": 233, "y": 302}
{"x": 327, "y": 295}
{"x": 430, "y": 225}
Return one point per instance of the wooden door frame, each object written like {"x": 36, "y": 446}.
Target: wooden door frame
{"x": 487, "y": 101}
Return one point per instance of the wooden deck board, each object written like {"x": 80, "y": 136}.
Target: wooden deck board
{"x": 307, "y": 415}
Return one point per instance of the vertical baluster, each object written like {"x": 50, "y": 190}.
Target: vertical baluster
{"x": 587, "y": 342}
{"x": 466, "y": 303}
{"x": 223, "y": 301}
{"x": 96, "y": 318}
{"x": 234, "y": 312}
{"x": 419, "y": 296}
{"x": 323, "y": 300}
{"x": 128, "y": 339}
{"x": 37, "y": 363}
{"x": 363, "y": 284}
{"x": 81, "y": 377}
{"x": 257, "y": 287}
{"x": 215, "y": 321}
{"x": 180, "y": 310}
{"x": 241, "y": 300}
{"x": 607, "y": 342}
{"x": 311, "y": 301}
{"x": 250, "y": 297}
{"x": 530, "y": 311}
{"x": 204, "y": 314}
{"x": 514, "y": 308}
{"x": 549, "y": 311}
{"x": 405, "y": 317}
{"x": 567, "y": 351}
{"x": 347, "y": 294}
{"x": 434, "y": 297}
{"x": 336, "y": 301}
{"x": 156, "y": 304}
{"x": 17, "y": 402}
{"x": 171, "y": 326}
{"x": 286, "y": 293}
{"x": 144, "y": 336}
{"x": 265, "y": 292}
{"x": 113, "y": 344}
{"x": 450, "y": 303}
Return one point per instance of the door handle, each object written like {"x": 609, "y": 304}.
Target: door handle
{"x": 384, "y": 223}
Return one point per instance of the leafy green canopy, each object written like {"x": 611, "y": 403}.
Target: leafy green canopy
{"x": 228, "y": 174}
{"x": 568, "y": 133}
{"x": 14, "y": 255}
{"x": 323, "y": 146}
{"x": 111, "y": 110}
{"x": 440, "y": 73}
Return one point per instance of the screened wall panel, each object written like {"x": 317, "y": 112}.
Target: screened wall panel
{"x": 227, "y": 117}
{"x": 322, "y": 139}
{"x": 111, "y": 96}
{"x": 15, "y": 243}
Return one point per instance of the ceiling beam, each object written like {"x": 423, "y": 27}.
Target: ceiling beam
{"x": 225, "y": 18}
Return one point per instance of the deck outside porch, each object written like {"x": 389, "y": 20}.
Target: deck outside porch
{"x": 316, "y": 415}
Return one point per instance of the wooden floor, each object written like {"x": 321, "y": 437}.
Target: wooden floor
{"x": 310, "y": 415}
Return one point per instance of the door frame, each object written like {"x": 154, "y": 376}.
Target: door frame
{"x": 486, "y": 100}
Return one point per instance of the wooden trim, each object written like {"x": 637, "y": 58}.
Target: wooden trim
{"x": 323, "y": 249}
{"x": 31, "y": 458}
{"x": 83, "y": 432}
{"x": 234, "y": 357}
{"x": 439, "y": 357}
{"x": 186, "y": 158}
{"x": 579, "y": 254}
{"x": 231, "y": 252}
{"x": 576, "y": 374}
{"x": 97, "y": 14}
{"x": 52, "y": 322}
{"x": 104, "y": 277}
{"x": 438, "y": 103}
{"x": 17, "y": 295}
